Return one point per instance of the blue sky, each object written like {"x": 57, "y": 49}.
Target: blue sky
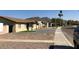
{"x": 68, "y": 14}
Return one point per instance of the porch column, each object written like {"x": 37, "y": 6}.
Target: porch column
{"x": 47, "y": 25}
{"x": 14, "y": 28}
{"x": 51, "y": 24}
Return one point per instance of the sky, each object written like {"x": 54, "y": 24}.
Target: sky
{"x": 67, "y": 14}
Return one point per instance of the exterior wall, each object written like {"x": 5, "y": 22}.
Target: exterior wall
{"x": 6, "y": 28}
{"x": 20, "y": 27}
{"x": 47, "y": 25}
{"x": 1, "y": 27}
{"x": 6, "y": 24}
{"x": 41, "y": 25}
{"x": 34, "y": 27}
{"x": 37, "y": 26}
{"x": 30, "y": 26}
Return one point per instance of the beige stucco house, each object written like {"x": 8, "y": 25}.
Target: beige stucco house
{"x": 41, "y": 23}
{"x": 10, "y": 24}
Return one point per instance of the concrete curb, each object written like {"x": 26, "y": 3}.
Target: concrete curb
{"x": 61, "y": 38}
{"x": 68, "y": 40}
{"x": 32, "y": 41}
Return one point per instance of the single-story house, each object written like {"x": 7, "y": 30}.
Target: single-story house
{"x": 10, "y": 24}
{"x": 41, "y": 23}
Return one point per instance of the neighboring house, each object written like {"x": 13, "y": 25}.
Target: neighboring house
{"x": 10, "y": 24}
{"x": 41, "y": 23}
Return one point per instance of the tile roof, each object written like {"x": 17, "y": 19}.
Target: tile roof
{"x": 17, "y": 20}
{"x": 28, "y": 20}
{"x": 43, "y": 20}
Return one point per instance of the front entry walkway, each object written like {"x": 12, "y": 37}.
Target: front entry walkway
{"x": 60, "y": 38}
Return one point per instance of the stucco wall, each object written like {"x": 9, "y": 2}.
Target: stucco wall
{"x": 40, "y": 25}
{"x": 20, "y": 27}
{"x": 5, "y": 28}
{"x": 1, "y": 27}
{"x": 34, "y": 26}
{"x": 6, "y": 24}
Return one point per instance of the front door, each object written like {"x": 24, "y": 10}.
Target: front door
{"x": 10, "y": 28}
{"x": 27, "y": 26}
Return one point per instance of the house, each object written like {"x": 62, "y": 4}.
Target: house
{"x": 41, "y": 23}
{"x": 10, "y": 24}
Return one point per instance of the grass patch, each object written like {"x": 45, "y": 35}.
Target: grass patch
{"x": 54, "y": 27}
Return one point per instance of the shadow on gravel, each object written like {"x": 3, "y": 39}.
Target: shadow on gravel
{"x": 60, "y": 47}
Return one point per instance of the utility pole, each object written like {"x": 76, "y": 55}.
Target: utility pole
{"x": 60, "y": 15}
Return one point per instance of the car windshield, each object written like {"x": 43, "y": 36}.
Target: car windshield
{"x": 39, "y": 29}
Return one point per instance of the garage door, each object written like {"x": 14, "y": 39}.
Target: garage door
{"x": 1, "y": 27}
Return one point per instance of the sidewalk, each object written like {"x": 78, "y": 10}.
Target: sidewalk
{"x": 60, "y": 38}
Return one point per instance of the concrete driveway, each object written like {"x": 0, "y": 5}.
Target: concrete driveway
{"x": 43, "y": 34}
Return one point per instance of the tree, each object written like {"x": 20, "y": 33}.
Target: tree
{"x": 56, "y": 21}
{"x": 72, "y": 22}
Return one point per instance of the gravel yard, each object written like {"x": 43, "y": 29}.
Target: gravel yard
{"x": 43, "y": 34}
{"x": 23, "y": 45}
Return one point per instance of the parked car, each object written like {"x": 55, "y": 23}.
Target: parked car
{"x": 76, "y": 37}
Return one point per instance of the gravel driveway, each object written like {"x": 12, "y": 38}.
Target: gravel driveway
{"x": 42, "y": 34}
{"x": 23, "y": 45}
